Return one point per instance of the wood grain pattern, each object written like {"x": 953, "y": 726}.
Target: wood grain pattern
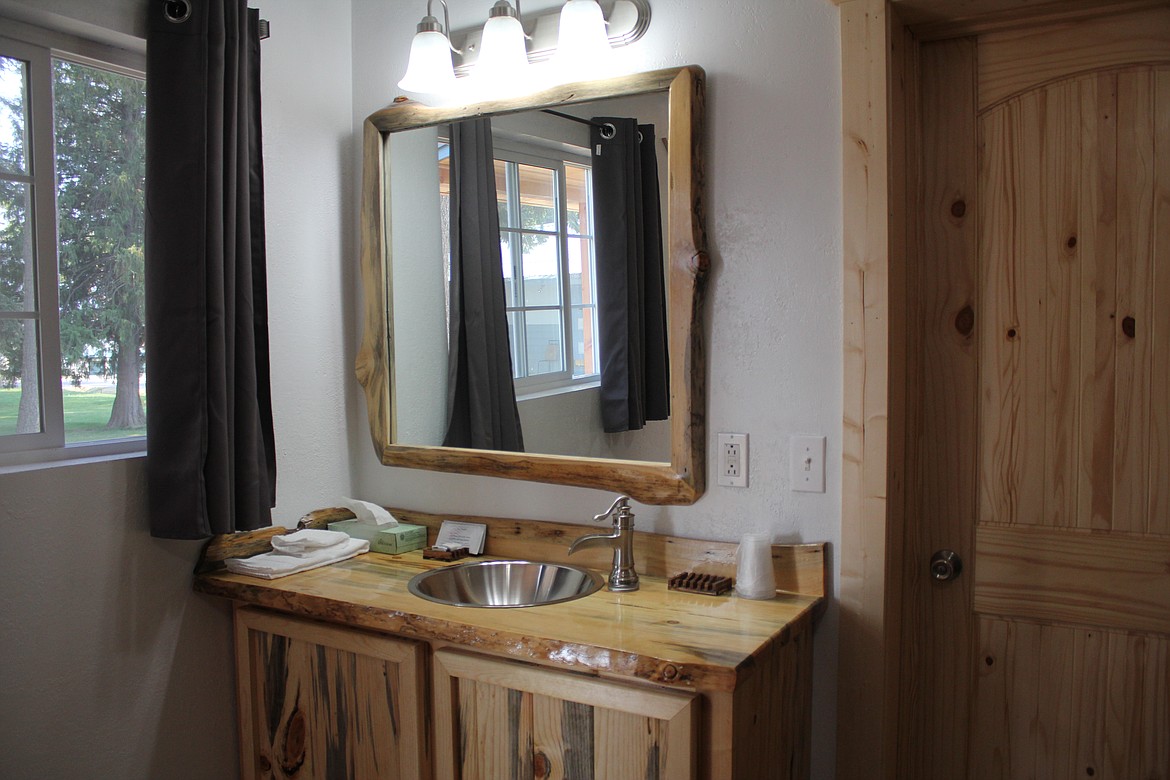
{"x": 1074, "y": 413}
{"x": 1096, "y": 249}
{"x": 1024, "y": 58}
{"x": 770, "y": 716}
{"x": 683, "y": 480}
{"x": 372, "y": 365}
{"x": 1135, "y": 275}
{"x": 1061, "y": 702}
{"x": 1159, "y": 431}
{"x": 799, "y": 568}
{"x": 655, "y": 634}
{"x": 512, "y": 719}
{"x": 319, "y": 701}
{"x": 936, "y": 20}
{"x": 1086, "y": 578}
{"x": 938, "y": 629}
{"x": 863, "y": 721}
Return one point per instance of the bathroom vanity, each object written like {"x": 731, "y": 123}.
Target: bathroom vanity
{"x": 343, "y": 673}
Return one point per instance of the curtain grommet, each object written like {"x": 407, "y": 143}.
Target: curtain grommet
{"x": 177, "y": 11}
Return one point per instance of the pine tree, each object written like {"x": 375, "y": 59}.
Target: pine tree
{"x": 100, "y": 153}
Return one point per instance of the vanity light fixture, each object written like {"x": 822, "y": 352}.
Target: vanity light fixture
{"x": 582, "y": 42}
{"x": 502, "y": 68}
{"x": 429, "y": 72}
{"x": 568, "y": 44}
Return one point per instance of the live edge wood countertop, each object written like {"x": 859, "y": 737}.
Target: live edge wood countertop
{"x": 654, "y": 634}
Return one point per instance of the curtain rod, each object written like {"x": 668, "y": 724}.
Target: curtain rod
{"x": 180, "y": 11}
{"x": 572, "y": 118}
{"x": 608, "y": 131}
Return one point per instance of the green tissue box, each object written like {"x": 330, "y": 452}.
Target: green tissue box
{"x": 393, "y": 539}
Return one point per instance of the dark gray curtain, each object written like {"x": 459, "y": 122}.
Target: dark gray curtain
{"x": 635, "y": 383}
{"x": 211, "y": 464}
{"x": 481, "y": 399}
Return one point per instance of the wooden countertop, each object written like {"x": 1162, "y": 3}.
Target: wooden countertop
{"x": 654, "y": 634}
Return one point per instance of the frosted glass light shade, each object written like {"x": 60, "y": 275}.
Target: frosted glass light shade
{"x": 503, "y": 59}
{"x": 429, "y": 70}
{"x": 583, "y": 50}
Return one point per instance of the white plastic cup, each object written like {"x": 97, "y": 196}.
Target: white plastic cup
{"x": 754, "y": 577}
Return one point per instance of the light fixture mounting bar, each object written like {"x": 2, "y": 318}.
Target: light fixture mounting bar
{"x": 627, "y": 22}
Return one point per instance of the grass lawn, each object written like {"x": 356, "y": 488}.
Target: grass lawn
{"x": 86, "y": 414}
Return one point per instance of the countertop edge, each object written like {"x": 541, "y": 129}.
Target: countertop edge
{"x": 575, "y": 656}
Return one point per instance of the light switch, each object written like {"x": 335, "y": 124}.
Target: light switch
{"x": 806, "y": 463}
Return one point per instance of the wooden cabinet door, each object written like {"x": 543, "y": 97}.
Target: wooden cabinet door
{"x": 318, "y": 701}
{"x": 1040, "y": 446}
{"x": 499, "y": 720}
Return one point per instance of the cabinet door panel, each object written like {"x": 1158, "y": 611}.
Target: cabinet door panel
{"x": 499, "y": 719}
{"x": 318, "y": 701}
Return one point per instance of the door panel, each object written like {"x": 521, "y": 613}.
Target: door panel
{"x": 319, "y": 701}
{"x": 1062, "y": 702}
{"x": 1064, "y": 318}
{"x": 1039, "y": 406}
{"x": 505, "y": 719}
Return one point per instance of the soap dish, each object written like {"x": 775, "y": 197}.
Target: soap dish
{"x": 707, "y": 584}
{"x": 442, "y": 554}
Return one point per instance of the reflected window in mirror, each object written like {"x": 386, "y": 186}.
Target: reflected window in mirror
{"x": 549, "y": 263}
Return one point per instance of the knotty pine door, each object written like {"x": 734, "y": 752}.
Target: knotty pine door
{"x": 1038, "y": 364}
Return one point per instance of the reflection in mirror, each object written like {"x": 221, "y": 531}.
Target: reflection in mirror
{"x": 400, "y": 363}
{"x": 546, "y": 201}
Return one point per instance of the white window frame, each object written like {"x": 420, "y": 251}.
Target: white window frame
{"x": 39, "y": 47}
{"x": 509, "y": 150}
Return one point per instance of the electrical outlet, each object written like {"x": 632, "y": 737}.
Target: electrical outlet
{"x": 806, "y": 463}
{"x": 733, "y": 459}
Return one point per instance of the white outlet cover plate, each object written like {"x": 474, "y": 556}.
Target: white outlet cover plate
{"x": 729, "y": 480}
{"x": 806, "y": 463}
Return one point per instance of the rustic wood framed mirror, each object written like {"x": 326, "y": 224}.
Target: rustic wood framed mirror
{"x": 673, "y": 473}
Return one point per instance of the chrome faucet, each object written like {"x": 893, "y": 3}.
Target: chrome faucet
{"x": 622, "y": 577}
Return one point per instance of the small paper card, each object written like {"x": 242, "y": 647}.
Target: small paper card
{"x": 469, "y": 535}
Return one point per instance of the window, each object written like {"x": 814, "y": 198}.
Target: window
{"x": 549, "y": 265}
{"x": 72, "y": 175}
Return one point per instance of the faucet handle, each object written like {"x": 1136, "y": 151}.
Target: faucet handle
{"x": 621, "y": 506}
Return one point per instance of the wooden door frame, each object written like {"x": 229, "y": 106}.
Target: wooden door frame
{"x": 879, "y": 41}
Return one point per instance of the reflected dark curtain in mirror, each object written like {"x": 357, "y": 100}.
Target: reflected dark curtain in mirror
{"x": 481, "y": 399}
{"x": 211, "y": 466}
{"x": 635, "y": 380}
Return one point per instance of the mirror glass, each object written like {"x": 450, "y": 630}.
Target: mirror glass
{"x": 545, "y": 201}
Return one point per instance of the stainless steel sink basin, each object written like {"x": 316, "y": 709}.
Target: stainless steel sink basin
{"x": 505, "y": 584}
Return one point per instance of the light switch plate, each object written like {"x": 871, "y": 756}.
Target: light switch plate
{"x": 806, "y": 463}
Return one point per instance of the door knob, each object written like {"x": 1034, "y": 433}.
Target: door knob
{"x": 945, "y": 565}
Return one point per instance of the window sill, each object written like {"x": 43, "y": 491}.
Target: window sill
{"x": 76, "y": 455}
{"x": 532, "y": 395}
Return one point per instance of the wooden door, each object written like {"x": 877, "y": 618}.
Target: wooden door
{"x": 1039, "y": 419}
{"x": 318, "y": 701}
{"x": 504, "y": 719}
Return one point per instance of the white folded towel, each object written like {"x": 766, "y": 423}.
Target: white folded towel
{"x": 308, "y": 540}
{"x": 275, "y": 564}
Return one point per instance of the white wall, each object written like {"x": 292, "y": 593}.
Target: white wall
{"x": 774, "y": 298}
{"x": 110, "y": 666}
